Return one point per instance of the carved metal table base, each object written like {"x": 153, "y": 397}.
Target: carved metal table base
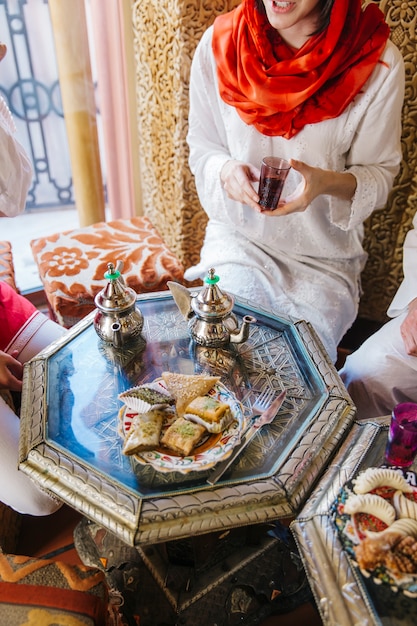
{"x": 244, "y": 587}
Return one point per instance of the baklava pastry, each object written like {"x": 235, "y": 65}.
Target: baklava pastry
{"x": 214, "y": 415}
{"x": 182, "y": 436}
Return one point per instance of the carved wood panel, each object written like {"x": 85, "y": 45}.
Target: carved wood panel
{"x": 386, "y": 229}
{"x": 165, "y": 37}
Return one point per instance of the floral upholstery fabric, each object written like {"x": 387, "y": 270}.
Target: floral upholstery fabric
{"x": 6, "y": 264}
{"x": 72, "y": 264}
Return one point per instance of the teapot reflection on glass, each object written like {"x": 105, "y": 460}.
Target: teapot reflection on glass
{"x": 118, "y": 320}
{"x": 210, "y": 313}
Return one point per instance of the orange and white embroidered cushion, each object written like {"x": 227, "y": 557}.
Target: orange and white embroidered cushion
{"x": 72, "y": 264}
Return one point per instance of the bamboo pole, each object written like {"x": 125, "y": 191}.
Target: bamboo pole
{"x": 77, "y": 91}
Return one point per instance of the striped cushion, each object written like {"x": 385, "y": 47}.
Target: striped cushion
{"x": 6, "y": 264}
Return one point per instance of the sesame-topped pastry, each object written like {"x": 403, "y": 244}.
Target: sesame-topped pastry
{"x": 372, "y": 552}
{"x": 185, "y": 387}
{"x": 395, "y": 551}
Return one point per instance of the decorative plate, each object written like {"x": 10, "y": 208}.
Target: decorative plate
{"x": 352, "y": 531}
{"x": 211, "y": 449}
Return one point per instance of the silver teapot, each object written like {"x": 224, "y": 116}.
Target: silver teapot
{"x": 210, "y": 313}
{"x": 118, "y": 320}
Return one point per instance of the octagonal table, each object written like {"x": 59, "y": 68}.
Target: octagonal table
{"x": 70, "y": 424}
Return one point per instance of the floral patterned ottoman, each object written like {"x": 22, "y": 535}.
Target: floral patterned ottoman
{"x": 72, "y": 264}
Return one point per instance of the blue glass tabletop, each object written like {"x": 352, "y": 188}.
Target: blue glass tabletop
{"x": 86, "y": 375}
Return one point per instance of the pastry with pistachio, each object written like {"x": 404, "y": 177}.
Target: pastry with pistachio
{"x": 182, "y": 436}
{"x": 144, "y": 432}
{"x": 144, "y": 397}
{"x": 210, "y": 413}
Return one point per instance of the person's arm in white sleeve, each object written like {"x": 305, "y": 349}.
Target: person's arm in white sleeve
{"x": 375, "y": 155}
{"x": 407, "y": 291}
{"x": 15, "y": 167}
{"x": 405, "y": 299}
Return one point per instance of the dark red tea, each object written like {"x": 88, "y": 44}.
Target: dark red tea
{"x": 270, "y": 193}
{"x": 274, "y": 171}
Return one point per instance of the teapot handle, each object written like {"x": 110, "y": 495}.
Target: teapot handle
{"x": 119, "y": 268}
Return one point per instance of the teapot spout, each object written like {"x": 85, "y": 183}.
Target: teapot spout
{"x": 116, "y": 329}
{"x": 241, "y": 335}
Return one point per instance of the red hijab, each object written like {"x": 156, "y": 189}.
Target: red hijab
{"x": 278, "y": 90}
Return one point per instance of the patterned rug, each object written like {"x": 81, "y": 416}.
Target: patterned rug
{"x": 43, "y": 591}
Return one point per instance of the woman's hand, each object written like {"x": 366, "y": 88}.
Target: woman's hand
{"x": 315, "y": 182}
{"x": 236, "y": 178}
{"x": 11, "y": 372}
{"x": 409, "y": 329}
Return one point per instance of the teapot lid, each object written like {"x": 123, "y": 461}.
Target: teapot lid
{"x": 115, "y": 296}
{"x": 211, "y": 301}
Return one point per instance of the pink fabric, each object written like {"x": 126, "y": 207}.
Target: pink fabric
{"x": 27, "y": 330}
{"x": 16, "y": 312}
{"x": 110, "y": 42}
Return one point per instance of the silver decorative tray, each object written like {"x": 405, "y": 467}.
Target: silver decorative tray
{"x": 343, "y": 595}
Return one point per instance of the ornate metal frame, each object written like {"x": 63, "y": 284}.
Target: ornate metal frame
{"x": 339, "y": 589}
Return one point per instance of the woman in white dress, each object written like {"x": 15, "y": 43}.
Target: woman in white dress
{"x": 24, "y": 331}
{"x": 318, "y": 83}
{"x": 383, "y": 371}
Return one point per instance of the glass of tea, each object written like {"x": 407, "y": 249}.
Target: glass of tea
{"x": 401, "y": 448}
{"x": 274, "y": 171}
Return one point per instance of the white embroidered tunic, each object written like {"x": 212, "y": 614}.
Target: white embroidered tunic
{"x": 304, "y": 265}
